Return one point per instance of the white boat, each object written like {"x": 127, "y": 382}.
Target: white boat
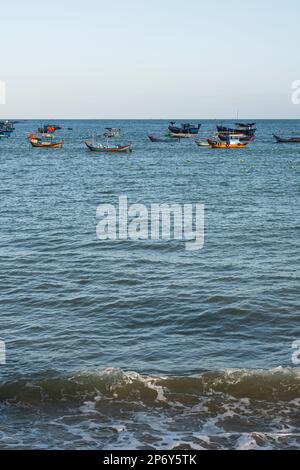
{"x": 112, "y": 132}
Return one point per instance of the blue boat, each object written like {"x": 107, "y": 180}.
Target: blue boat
{"x": 241, "y": 131}
{"x": 6, "y": 128}
{"x": 185, "y": 128}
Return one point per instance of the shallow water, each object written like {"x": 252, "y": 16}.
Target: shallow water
{"x": 144, "y": 344}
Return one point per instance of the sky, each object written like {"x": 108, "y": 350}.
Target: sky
{"x": 138, "y": 59}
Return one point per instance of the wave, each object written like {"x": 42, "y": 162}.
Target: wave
{"x": 272, "y": 385}
{"x": 114, "y": 409}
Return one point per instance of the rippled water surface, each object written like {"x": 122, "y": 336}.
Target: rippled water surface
{"x": 141, "y": 344}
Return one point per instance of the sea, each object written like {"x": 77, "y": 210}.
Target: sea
{"x": 143, "y": 344}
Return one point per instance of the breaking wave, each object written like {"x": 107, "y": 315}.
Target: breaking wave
{"x": 115, "y": 409}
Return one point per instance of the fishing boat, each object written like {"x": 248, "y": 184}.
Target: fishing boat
{"x": 44, "y": 141}
{"x": 6, "y": 128}
{"x": 108, "y": 147}
{"x": 282, "y": 140}
{"x": 184, "y": 128}
{"x": 242, "y": 131}
{"x": 48, "y": 129}
{"x": 231, "y": 143}
{"x": 112, "y": 132}
{"x": 202, "y": 143}
{"x": 167, "y": 139}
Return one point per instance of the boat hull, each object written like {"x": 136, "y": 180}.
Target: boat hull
{"x": 46, "y": 145}
{"x": 181, "y": 135}
{"x": 281, "y": 140}
{"x": 224, "y": 145}
{"x": 153, "y": 138}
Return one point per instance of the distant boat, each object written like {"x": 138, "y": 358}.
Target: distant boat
{"x": 231, "y": 143}
{"x": 282, "y": 140}
{"x": 107, "y": 147}
{"x": 242, "y": 131}
{"x": 185, "y": 128}
{"x": 169, "y": 139}
{"x": 6, "y": 128}
{"x": 48, "y": 128}
{"x": 245, "y": 125}
{"x": 44, "y": 141}
{"x": 112, "y": 132}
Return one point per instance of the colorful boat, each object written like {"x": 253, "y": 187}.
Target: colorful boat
{"x": 45, "y": 141}
{"x": 104, "y": 148}
{"x": 282, "y": 140}
{"x": 48, "y": 129}
{"x": 229, "y": 144}
{"x": 185, "y": 128}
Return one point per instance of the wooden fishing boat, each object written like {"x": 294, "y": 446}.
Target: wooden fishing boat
{"x": 168, "y": 139}
{"x": 44, "y": 144}
{"x": 108, "y": 148}
{"x": 45, "y": 141}
{"x": 241, "y": 131}
{"x": 282, "y": 140}
{"x": 229, "y": 144}
{"x": 202, "y": 143}
{"x": 185, "y": 128}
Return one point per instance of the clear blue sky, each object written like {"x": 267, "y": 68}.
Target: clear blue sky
{"x": 149, "y": 59}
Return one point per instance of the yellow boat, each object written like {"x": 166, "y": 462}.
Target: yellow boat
{"x": 232, "y": 144}
{"x": 45, "y": 141}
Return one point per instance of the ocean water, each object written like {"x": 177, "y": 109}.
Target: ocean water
{"x": 142, "y": 344}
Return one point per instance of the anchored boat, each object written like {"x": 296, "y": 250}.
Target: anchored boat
{"x": 242, "y": 131}
{"x": 6, "y": 128}
{"x": 167, "y": 139}
{"x": 48, "y": 129}
{"x": 231, "y": 143}
{"x": 112, "y": 132}
{"x": 184, "y": 129}
{"x": 45, "y": 141}
{"x": 108, "y": 148}
{"x": 282, "y": 140}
